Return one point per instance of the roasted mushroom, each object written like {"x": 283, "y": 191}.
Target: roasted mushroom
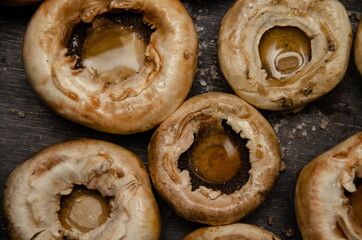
{"x": 358, "y": 48}
{"x": 283, "y": 54}
{"x": 81, "y": 189}
{"x": 237, "y": 231}
{"x": 215, "y": 159}
{"x": 328, "y": 198}
{"x": 115, "y": 66}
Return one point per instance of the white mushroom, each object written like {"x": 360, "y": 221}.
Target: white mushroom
{"x": 234, "y": 231}
{"x": 91, "y": 67}
{"x": 283, "y": 54}
{"x": 215, "y": 159}
{"x": 358, "y": 48}
{"x": 115, "y": 200}
{"x": 328, "y": 200}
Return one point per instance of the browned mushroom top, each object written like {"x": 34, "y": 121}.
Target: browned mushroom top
{"x": 236, "y": 231}
{"x": 212, "y": 152}
{"x": 281, "y": 55}
{"x": 81, "y": 189}
{"x": 329, "y": 193}
{"x": 116, "y": 66}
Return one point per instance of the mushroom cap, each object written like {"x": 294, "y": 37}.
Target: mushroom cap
{"x": 33, "y": 191}
{"x": 134, "y": 105}
{"x": 323, "y": 211}
{"x": 235, "y": 231}
{"x": 358, "y": 48}
{"x": 326, "y": 24}
{"x": 175, "y": 135}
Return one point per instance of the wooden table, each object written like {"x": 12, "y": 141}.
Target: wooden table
{"x": 27, "y": 125}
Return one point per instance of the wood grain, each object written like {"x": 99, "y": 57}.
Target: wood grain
{"x": 27, "y": 125}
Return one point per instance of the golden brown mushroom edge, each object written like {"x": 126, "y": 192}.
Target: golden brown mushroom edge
{"x": 81, "y": 189}
{"x": 358, "y": 48}
{"x": 215, "y": 159}
{"x": 236, "y": 231}
{"x": 328, "y": 199}
{"x": 281, "y": 55}
{"x": 115, "y": 66}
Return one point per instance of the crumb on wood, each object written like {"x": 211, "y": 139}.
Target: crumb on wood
{"x": 324, "y": 123}
{"x": 283, "y": 166}
{"x": 21, "y": 114}
{"x": 271, "y": 220}
{"x": 288, "y": 232}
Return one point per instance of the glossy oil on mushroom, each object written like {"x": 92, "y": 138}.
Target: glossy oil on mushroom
{"x": 115, "y": 66}
{"x": 329, "y": 193}
{"x": 281, "y": 55}
{"x": 212, "y": 152}
{"x": 81, "y": 189}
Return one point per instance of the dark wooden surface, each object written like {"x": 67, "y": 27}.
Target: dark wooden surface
{"x": 27, "y": 125}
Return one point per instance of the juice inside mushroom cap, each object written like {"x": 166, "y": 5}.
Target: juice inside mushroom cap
{"x": 112, "y": 51}
{"x": 214, "y": 155}
{"x": 83, "y": 210}
{"x": 283, "y": 51}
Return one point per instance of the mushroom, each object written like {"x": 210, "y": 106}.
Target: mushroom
{"x": 115, "y": 66}
{"x": 81, "y": 189}
{"x": 215, "y": 159}
{"x": 358, "y": 48}
{"x": 233, "y": 231}
{"x": 329, "y": 193}
{"x": 18, "y": 3}
{"x": 282, "y": 54}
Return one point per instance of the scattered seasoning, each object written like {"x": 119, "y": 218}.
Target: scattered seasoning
{"x": 21, "y": 114}
{"x": 324, "y": 123}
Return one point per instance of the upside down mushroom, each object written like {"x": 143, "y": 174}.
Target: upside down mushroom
{"x": 282, "y": 54}
{"x": 328, "y": 199}
{"x": 236, "y": 231}
{"x": 215, "y": 159}
{"x": 115, "y": 66}
{"x": 81, "y": 189}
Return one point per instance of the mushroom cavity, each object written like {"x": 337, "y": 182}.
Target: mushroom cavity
{"x": 281, "y": 55}
{"x": 231, "y": 231}
{"x": 218, "y": 158}
{"x": 83, "y": 209}
{"x": 284, "y": 51}
{"x": 213, "y": 151}
{"x": 113, "y": 46}
{"x": 81, "y": 189}
{"x": 329, "y": 193}
{"x": 115, "y": 66}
